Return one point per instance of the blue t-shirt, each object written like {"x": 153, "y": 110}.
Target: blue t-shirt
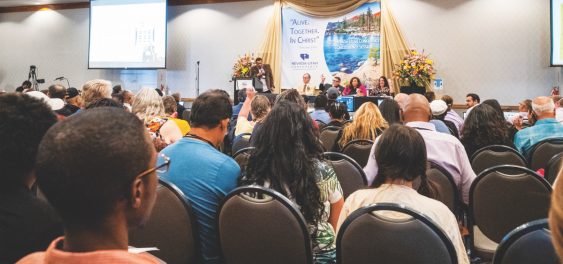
{"x": 321, "y": 115}
{"x": 206, "y": 176}
{"x": 440, "y": 126}
{"x": 526, "y": 138}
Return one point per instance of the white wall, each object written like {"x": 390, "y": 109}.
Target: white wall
{"x": 496, "y": 48}
{"x": 57, "y": 43}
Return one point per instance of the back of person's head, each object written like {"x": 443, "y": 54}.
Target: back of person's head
{"x": 556, "y": 216}
{"x": 495, "y": 105}
{"x": 241, "y": 95}
{"x": 525, "y": 106}
{"x": 90, "y": 165}
{"x": 19, "y": 89}
{"x": 104, "y": 102}
{"x": 449, "y": 101}
{"x": 260, "y": 106}
{"x": 176, "y": 97}
{"x": 291, "y": 95}
{"x": 321, "y": 101}
{"x": 401, "y": 155}
{"x": 210, "y": 108}
{"x": 543, "y": 105}
{"x": 483, "y": 126}
{"x": 147, "y": 105}
{"x": 118, "y": 97}
{"x": 391, "y": 111}
{"x": 337, "y": 110}
{"x": 365, "y": 125}
{"x": 57, "y": 91}
{"x": 439, "y": 109}
{"x": 117, "y": 89}
{"x": 26, "y": 85}
{"x": 474, "y": 97}
{"x": 94, "y": 90}
{"x": 430, "y": 96}
{"x": 170, "y": 106}
{"x": 416, "y": 108}
{"x": 286, "y": 155}
{"x": 24, "y": 122}
{"x": 401, "y": 99}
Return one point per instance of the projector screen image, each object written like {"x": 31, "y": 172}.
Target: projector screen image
{"x": 556, "y": 32}
{"x": 127, "y": 34}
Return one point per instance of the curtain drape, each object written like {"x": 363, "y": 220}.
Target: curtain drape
{"x": 393, "y": 44}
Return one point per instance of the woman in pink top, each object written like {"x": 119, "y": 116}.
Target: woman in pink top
{"x": 355, "y": 88}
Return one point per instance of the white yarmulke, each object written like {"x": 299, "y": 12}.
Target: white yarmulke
{"x": 438, "y": 107}
{"x": 54, "y": 103}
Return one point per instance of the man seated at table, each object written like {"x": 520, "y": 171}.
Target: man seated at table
{"x": 325, "y": 87}
{"x": 306, "y": 88}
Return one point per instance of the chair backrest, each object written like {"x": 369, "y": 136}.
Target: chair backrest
{"x": 171, "y": 227}
{"x": 242, "y": 156}
{"x": 328, "y": 136}
{"x": 528, "y": 243}
{"x": 186, "y": 115}
{"x": 367, "y": 236}
{"x": 495, "y": 155}
{"x": 552, "y": 168}
{"x": 358, "y": 150}
{"x": 543, "y": 151}
{"x": 259, "y": 225}
{"x": 500, "y": 202}
{"x": 321, "y": 124}
{"x": 349, "y": 173}
{"x": 447, "y": 190}
{"x": 241, "y": 141}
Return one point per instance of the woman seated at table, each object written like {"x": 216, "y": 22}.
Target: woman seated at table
{"x": 355, "y": 87}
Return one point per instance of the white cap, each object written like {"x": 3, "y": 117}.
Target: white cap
{"x": 54, "y": 103}
{"x": 438, "y": 107}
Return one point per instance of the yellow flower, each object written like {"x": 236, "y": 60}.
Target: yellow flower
{"x": 429, "y": 61}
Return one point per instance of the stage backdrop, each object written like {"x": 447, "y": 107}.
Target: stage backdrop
{"x": 344, "y": 46}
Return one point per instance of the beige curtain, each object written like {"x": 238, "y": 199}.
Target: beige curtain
{"x": 393, "y": 45}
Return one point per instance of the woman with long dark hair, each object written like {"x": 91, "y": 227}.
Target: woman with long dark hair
{"x": 288, "y": 158}
{"x": 484, "y": 127}
{"x": 382, "y": 87}
{"x": 390, "y": 110}
{"x": 401, "y": 157}
{"x": 355, "y": 87}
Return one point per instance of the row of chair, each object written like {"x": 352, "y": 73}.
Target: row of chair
{"x": 259, "y": 225}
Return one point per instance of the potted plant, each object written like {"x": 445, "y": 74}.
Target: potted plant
{"x": 414, "y": 73}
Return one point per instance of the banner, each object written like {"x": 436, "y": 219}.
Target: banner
{"x": 346, "y": 46}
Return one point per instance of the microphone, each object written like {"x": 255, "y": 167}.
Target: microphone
{"x": 198, "y": 63}
{"x": 60, "y": 78}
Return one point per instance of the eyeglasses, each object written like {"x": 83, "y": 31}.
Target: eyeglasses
{"x": 162, "y": 168}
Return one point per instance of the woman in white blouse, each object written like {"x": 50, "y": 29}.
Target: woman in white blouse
{"x": 401, "y": 157}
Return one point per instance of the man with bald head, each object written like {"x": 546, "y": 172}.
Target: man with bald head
{"x": 401, "y": 99}
{"x": 545, "y": 127}
{"x": 442, "y": 149}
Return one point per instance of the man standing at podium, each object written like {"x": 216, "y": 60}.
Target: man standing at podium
{"x": 263, "y": 72}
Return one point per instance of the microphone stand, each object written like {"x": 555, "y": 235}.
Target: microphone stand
{"x": 67, "y": 82}
{"x": 197, "y": 79}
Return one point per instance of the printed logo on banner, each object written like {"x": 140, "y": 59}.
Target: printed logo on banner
{"x": 304, "y": 56}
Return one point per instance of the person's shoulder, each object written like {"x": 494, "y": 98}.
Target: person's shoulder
{"x": 33, "y": 258}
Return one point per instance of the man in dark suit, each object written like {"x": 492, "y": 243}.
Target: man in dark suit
{"x": 335, "y": 83}
{"x": 263, "y": 72}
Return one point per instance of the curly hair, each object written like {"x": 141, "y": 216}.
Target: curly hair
{"x": 286, "y": 156}
{"x": 483, "y": 127}
{"x": 365, "y": 125}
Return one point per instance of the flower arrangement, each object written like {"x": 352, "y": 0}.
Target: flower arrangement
{"x": 242, "y": 66}
{"x": 416, "y": 69}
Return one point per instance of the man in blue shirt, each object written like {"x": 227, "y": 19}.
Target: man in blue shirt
{"x": 545, "y": 127}
{"x": 320, "y": 112}
{"x": 202, "y": 172}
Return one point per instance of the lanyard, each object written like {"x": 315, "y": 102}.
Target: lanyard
{"x": 200, "y": 138}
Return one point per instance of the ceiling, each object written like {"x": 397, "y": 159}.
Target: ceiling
{"x": 9, "y": 3}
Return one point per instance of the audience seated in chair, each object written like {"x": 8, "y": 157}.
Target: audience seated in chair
{"x": 444, "y": 150}
{"x": 320, "y": 112}
{"x": 296, "y": 169}
{"x": 545, "y": 127}
{"x": 337, "y": 112}
{"x": 401, "y": 156}
{"x": 556, "y": 216}
{"x": 200, "y": 171}
{"x": 484, "y": 127}
{"x": 368, "y": 124}
{"x": 258, "y": 106}
{"x": 94, "y": 90}
{"x": 439, "y": 111}
{"x": 451, "y": 113}
{"x": 27, "y": 223}
{"x": 97, "y": 169}
{"x": 172, "y": 113}
{"x": 391, "y": 111}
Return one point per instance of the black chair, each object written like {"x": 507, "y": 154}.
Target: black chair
{"x": 500, "y": 202}
{"x": 447, "y": 191}
{"x": 186, "y": 115}
{"x": 528, "y": 243}
{"x": 552, "y": 168}
{"x": 328, "y": 136}
{"x": 358, "y": 150}
{"x": 349, "y": 173}
{"x": 367, "y": 236}
{"x": 260, "y": 225}
{"x": 495, "y": 155}
{"x": 241, "y": 141}
{"x": 321, "y": 124}
{"x": 242, "y": 156}
{"x": 171, "y": 227}
{"x": 543, "y": 151}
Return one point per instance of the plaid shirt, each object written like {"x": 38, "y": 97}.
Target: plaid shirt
{"x": 526, "y": 138}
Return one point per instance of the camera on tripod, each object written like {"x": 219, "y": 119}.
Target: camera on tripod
{"x": 32, "y": 77}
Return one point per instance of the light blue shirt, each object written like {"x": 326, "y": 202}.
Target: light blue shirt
{"x": 321, "y": 115}
{"x": 205, "y": 176}
{"x": 547, "y": 128}
{"x": 440, "y": 126}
